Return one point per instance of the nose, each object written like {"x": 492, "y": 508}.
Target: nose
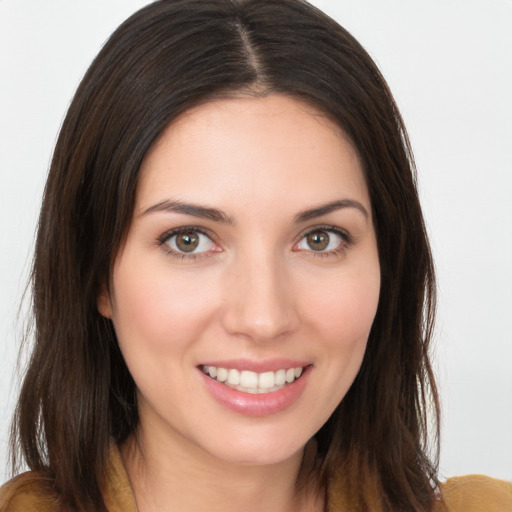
{"x": 260, "y": 302}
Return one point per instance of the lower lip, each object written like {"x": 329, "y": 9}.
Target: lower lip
{"x": 257, "y": 404}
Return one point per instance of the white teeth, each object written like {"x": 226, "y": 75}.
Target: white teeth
{"x": 233, "y": 377}
{"x": 267, "y": 380}
{"x": 222, "y": 374}
{"x": 280, "y": 377}
{"x": 252, "y": 382}
{"x": 248, "y": 379}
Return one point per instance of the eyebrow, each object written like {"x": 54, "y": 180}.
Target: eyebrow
{"x": 175, "y": 206}
{"x": 324, "y": 209}
{"x": 195, "y": 210}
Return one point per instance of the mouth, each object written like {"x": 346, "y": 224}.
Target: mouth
{"x": 251, "y": 382}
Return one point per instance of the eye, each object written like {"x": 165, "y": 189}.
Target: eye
{"x": 323, "y": 240}
{"x": 188, "y": 241}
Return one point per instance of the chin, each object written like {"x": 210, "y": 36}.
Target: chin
{"x": 257, "y": 447}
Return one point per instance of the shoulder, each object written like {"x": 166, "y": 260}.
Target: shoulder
{"x": 29, "y": 492}
{"x": 476, "y": 493}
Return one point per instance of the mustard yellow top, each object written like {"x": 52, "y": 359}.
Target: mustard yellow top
{"x": 31, "y": 492}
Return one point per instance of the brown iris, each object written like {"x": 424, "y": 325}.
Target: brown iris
{"x": 187, "y": 242}
{"x": 318, "y": 240}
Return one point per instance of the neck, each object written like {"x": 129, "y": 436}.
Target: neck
{"x": 166, "y": 475}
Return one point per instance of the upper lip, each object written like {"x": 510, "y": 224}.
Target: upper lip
{"x": 258, "y": 366}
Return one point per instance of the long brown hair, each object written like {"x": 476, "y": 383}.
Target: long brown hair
{"x": 78, "y": 395}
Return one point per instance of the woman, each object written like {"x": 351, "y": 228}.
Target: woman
{"x": 233, "y": 289}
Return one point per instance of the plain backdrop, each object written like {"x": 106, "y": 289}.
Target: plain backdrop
{"x": 449, "y": 65}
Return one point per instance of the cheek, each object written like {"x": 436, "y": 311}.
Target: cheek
{"x": 159, "y": 311}
{"x": 158, "y": 318}
{"x": 345, "y": 308}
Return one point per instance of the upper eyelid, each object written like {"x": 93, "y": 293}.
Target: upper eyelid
{"x": 162, "y": 240}
{"x": 207, "y": 232}
{"x": 346, "y": 237}
{"x": 326, "y": 227}
{"x": 183, "y": 229}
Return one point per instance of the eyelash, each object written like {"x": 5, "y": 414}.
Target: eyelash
{"x": 347, "y": 241}
{"x": 162, "y": 240}
{"x": 165, "y": 237}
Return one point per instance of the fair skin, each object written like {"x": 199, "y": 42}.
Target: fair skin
{"x": 273, "y": 273}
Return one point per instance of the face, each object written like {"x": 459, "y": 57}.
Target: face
{"x": 244, "y": 294}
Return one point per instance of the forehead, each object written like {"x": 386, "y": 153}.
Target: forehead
{"x": 252, "y": 149}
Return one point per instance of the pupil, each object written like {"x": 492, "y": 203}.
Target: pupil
{"x": 187, "y": 242}
{"x": 318, "y": 241}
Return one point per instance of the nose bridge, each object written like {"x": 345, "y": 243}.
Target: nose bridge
{"x": 260, "y": 304}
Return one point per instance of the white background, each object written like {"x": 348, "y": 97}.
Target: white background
{"x": 449, "y": 64}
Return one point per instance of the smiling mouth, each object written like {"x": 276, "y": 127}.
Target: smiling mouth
{"x": 253, "y": 382}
